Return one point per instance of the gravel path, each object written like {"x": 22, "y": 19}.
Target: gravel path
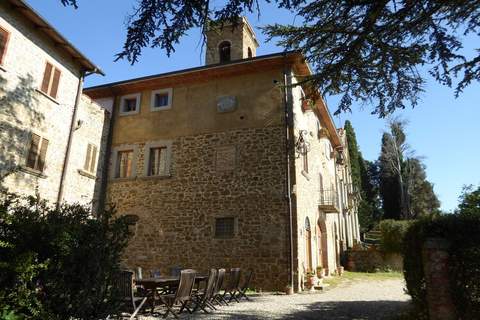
{"x": 357, "y": 300}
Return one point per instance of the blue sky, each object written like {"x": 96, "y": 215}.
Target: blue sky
{"x": 443, "y": 130}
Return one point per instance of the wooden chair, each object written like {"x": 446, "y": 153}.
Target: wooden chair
{"x": 244, "y": 287}
{"x": 217, "y": 296}
{"x": 182, "y": 296}
{"x": 124, "y": 285}
{"x": 232, "y": 287}
{"x": 203, "y": 299}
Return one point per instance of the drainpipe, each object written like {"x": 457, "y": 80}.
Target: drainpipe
{"x": 83, "y": 74}
{"x": 106, "y": 161}
{"x": 288, "y": 139}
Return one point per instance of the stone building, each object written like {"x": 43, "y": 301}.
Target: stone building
{"x": 229, "y": 164}
{"x": 50, "y": 134}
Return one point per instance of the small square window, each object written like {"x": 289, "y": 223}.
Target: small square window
{"x": 130, "y": 104}
{"x": 161, "y": 99}
{"x": 225, "y": 227}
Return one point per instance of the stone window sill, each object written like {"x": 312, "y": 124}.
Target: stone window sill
{"x": 87, "y": 174}
{"x": 47, "y": 96}
{"x": 130, "y": 113}
{"x": 33, "y": 172}
{"x": 162, "y": 177}
{"x": 123, "y": 179}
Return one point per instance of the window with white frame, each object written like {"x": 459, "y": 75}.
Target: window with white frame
{"x": 130, "y": 104}
{"x": 161, "y": 99}
{"x": 157, "y": 165}
{"x": 157, "y": 158}
{"x": 124, "y": 165}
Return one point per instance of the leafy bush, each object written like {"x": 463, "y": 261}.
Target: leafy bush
{"x": 57, "y": 264}
{"x": 463, "y": 233}
{"x": 392, "y": 235}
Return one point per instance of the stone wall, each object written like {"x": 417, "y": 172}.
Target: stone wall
{"x": 83, "y": 186}
{"x": 25, "y": 110}
{"x": 325, "y": 225}
{"x": 373, "y": 260}
{"x": 177, "y": 213}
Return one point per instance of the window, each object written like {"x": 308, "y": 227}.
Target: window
{"x": 224, "y": 51}
{"x": 4, "y": 36}
{"x": 157, "y": 164}
{"x": 51, "y": 80}
{"x": 37, "y": 153}
{"x": 305, "y": 162}
{"x": 225, "y": 227}
{"x": 250, "y": 54}
{"x": 161, "y": 99}
{"x": 320, "y": 182}
{"x": 130, "y": 104}
{"x": 124, "y": 164}
{"x": 91, "y": 158}
{"x": 328, "y": 150}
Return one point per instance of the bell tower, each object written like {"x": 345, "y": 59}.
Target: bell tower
{"x": 230, "y": 43}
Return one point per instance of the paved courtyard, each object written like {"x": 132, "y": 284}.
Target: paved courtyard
{"x": 358, "y": 299}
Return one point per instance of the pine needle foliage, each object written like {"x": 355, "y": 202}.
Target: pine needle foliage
{"x": 363, "y": 50}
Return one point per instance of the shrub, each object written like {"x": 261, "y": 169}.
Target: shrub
{"x": 392, "y": 235}
{"x": 463, "y": 233}
{"x": 58, "y": 264}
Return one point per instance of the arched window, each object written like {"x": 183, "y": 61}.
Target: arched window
{"x": 224, "y": 51}
{"x": 250, "y": 54}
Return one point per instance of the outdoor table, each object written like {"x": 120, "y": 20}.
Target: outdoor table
{"x": 152, "y": 284}
{"x": 161, "y": 282}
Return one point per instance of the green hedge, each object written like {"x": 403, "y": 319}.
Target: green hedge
{"x": 463, "y": 233}
{"x": 392, "y": 235}
{"x": 57, "y": 264}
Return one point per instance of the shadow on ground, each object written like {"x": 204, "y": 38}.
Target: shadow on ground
{"x": 336, "y": 310}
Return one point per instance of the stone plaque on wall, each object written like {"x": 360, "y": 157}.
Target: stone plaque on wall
{"x": 226, "y": 104}
{"x": 226, "y": 158}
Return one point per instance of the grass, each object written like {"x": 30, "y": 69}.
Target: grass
{"x": 354, "y": 276}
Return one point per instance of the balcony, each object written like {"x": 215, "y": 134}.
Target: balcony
{"x": 328, "y": 201}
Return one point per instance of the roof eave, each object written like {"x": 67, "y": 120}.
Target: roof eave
{"x": 59, "y": 40}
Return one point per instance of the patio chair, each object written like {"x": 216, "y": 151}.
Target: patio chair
{"x": 232, "y": 287}
{"x": 246, "y": 283}
{"x": 202, "y": 299}
{"x": 182, "y": 296}
{"x": 217, "y": 296}
{"x": 124, "y": 285}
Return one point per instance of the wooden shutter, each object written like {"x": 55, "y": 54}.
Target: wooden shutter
{"x": 33, "y": 151}
{"x": 43, "y": 153}
{"x": 93, "y": 159}
{"x": 86, "y": 166}
{"x": 3, "y": 43}
{"x": 46, "y": 78}
{"x": 56, "y": 81}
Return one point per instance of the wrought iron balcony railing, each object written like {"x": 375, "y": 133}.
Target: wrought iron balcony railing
{"x": 329, "y": 201}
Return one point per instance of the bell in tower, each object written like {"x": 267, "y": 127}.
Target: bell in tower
{"x": 230, "y": 43}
